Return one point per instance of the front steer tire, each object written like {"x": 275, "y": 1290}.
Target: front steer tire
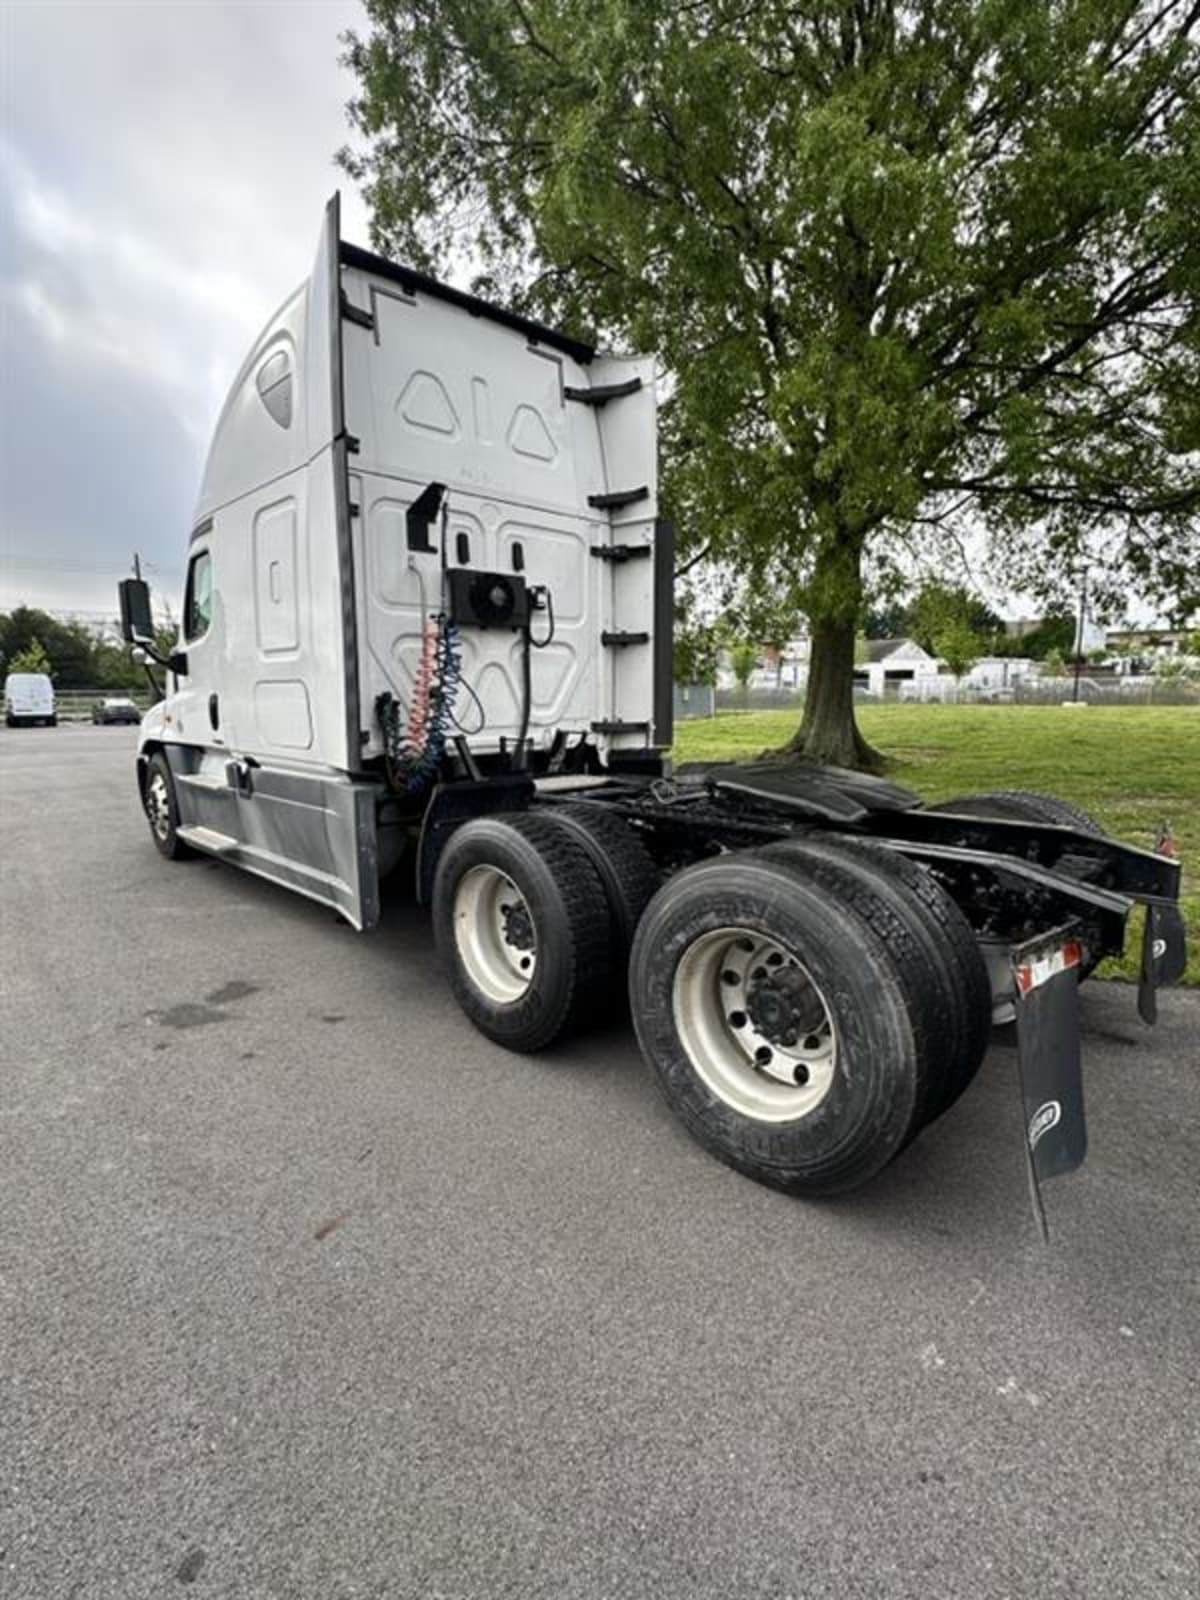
{"x": 162, "y": 810}
{"x": 841, "y": 1122}
{"x": 522, "y": 927}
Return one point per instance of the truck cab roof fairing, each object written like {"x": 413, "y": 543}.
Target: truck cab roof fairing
{"x": 415, "y": 282}
{"x": 228, "y": 467}
{"x": 245, "y": 428}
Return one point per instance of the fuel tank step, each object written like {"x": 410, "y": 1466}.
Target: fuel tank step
{"x": 216, "y": 843}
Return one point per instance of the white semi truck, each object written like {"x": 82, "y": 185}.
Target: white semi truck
{"x": 427, "y": 627}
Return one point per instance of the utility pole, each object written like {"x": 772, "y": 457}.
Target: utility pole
{"x": 1079, "y": 633}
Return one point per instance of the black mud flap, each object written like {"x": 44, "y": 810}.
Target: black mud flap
{"x": 1046, "y": 996}
{"x": 1164, "y": 956}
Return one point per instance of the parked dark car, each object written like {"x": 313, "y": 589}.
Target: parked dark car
{"x": 118, "y": 709}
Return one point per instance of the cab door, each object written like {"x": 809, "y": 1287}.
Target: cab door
{"x": 196, "y": 722}
{"x": 196, "y": 706}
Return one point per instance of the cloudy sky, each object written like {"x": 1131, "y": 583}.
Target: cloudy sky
{"x": 164, "y": 167}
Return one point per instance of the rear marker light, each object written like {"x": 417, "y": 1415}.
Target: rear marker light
{"x": 1032, "y": 974}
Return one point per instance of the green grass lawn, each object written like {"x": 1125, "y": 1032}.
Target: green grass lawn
{"x": 1129, "y": 766}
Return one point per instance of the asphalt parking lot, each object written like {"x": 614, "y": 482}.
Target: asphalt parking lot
{"x": 308, "y": 1290}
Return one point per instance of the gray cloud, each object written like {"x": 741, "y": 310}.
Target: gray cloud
{"x": 163, "y": 169}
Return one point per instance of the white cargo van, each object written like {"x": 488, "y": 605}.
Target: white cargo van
{"x": 427, "y": 622}
{"x": 29, "y": 698}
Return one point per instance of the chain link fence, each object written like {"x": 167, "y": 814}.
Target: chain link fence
{"x": 75, "y": 705}
{"x": 1042, "y": 691}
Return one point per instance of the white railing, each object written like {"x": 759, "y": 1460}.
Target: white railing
{"x": 75, "y": 705}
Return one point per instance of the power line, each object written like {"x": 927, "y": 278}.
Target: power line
{"x": 64, "y": 564}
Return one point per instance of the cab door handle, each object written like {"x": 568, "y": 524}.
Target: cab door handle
{"x": 214, "y": 712}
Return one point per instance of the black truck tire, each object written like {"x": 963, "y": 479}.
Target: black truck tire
{"x": 961, "y": 948}
{"x": 842, "y": 1081}
{"x": 1023, "y": 805}
{"x": 522, "y": 927}
{"x": 1027, "y": 805}
{"x": 937, "y": 953}
{"x": 625, "y": 866}
{"x": 162, "y": 810}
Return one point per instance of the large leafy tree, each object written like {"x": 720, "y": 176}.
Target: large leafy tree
{"x": 913, "y": 267}
{"x": 940, "y": 608}
{"x": 69, "y": 646}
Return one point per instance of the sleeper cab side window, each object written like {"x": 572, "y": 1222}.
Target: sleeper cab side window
{"x": 275, "y": 387}
{"x": 198, "y": 600}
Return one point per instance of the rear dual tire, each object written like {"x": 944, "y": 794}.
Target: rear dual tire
{"x": 1029, "y": 805}
{"x": 845, "y": 946}
{"x": 624, "y": 866}
{"x": 806, "y": 1009}
{"x": 522, "y": 927}
{"x": 933, "y": 944}
{"x": 1023, "y": 805}
{"x": 720, "y": 1039}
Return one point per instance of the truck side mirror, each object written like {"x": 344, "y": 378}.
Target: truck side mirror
{"x": 421, "y": 513}
{"x": 136, "y": 621}
{"x": 177, "y": 663}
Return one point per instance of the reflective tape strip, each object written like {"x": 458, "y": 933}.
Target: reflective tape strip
{"x": 1032, "y": 974}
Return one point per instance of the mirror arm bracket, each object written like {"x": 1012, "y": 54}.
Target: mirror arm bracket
{"x": 148, "y": 646}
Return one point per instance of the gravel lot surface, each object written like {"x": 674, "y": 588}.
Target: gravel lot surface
{"x": 308, "y": 1290}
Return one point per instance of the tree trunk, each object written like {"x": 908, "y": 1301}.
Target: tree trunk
{"x": 829, "y": 732}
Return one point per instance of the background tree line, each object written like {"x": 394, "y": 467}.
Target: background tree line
{"x": 74, "y": 655}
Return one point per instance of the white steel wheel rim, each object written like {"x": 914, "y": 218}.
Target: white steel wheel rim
{"x": 754, "y": 1025}
{"x": 494, "y": 934}
{"x": 158, "y": 805}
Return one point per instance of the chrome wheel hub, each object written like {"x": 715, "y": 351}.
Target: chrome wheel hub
{"x": 754, "y": 1025}
{"x": 158, "y": 805}
{"x": 494, "y": 934}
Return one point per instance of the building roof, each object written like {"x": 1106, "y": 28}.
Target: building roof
{"x": 881, "y": 649}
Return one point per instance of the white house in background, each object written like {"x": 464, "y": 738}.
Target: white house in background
{"x": 1148, "y": 641}
{"x": 891, "y": 663}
